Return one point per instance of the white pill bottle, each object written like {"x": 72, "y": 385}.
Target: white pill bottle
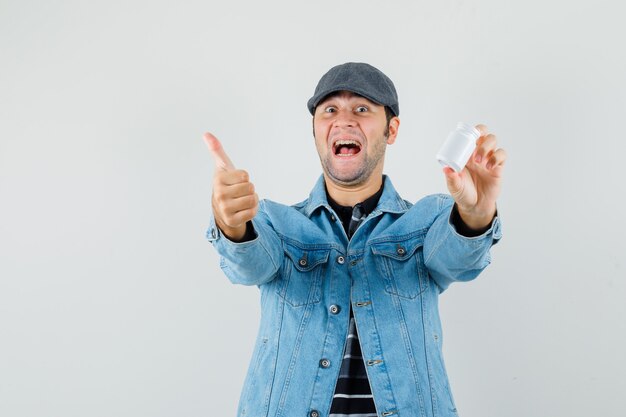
{"x": 458, "y": 147}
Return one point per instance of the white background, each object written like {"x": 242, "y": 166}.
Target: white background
{"x": 112, "y": 302}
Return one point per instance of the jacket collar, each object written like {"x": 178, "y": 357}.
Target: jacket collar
{"x": 389, "y": 202}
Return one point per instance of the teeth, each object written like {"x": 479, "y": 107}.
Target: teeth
{"x": 347, "y": 142}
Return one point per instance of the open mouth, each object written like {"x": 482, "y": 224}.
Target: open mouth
{"x": 346, "y": 148}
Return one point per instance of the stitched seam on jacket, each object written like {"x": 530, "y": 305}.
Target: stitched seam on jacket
{"x": 438, "y": 245}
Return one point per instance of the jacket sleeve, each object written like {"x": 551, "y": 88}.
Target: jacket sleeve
{"x": 253, "y": 262}
{"x": 451, "y": 257}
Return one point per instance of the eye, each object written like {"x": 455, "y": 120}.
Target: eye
{"x": 330, "y": 109}
{"x": 361, "y": 109}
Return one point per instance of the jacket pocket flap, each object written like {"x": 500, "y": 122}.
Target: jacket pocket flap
{"x": 305, "y": 259}
{"x": 398, "y": 249}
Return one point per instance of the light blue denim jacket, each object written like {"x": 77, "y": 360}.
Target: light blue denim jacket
{"x": 392, "y": 271}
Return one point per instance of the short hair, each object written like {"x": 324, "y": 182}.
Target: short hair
{"x": 388, "y": 114}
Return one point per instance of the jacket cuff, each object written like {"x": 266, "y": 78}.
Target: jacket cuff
{"x": 460, "y": 229}
{"x": 223, "y": 244}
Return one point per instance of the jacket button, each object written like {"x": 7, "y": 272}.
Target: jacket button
{"x": 314, "y": 413}
{"x": 332, "y": 217}
{"x": 334, "y": 309}
{"x": 401, "y": 251}
{"x": 213, "y": 233}
{"x": 302, "y": 262}
{"x": 341, "y": 260}
{"x": 325, "y": 363}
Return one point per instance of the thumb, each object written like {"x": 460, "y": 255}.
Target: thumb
{"x": 453, "y": 181}
{"x": 222, "y": 161}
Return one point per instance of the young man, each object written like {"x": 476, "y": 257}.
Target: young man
{"x": 350, "y": 277}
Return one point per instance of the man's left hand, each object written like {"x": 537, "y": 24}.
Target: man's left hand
{"x": 476, "y": 188}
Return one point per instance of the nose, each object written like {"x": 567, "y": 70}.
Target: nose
{"x": 344, "y": 119}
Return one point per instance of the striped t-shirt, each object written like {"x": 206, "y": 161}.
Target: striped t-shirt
{"x": 353, "y": 395}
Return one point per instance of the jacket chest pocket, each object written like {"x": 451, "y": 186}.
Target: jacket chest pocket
{"x": 401, "y": 266}
{"x": 301, "y": 278}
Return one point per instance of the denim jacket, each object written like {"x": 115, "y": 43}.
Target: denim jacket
{"x": 393, "y": 269}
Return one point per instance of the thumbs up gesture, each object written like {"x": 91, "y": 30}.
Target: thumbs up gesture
{"x": 234, "y": 200}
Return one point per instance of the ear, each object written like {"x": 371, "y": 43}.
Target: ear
{"x": 394, "y": 125}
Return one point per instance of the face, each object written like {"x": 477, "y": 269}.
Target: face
{"x": 351, "y": 134}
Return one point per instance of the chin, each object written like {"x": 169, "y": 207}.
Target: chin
{"x": 346, "y": 178}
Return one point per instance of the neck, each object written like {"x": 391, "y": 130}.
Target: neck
{"x": 351, "y": 195}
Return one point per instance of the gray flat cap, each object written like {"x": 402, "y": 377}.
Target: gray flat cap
{"x": 362, "y": 79}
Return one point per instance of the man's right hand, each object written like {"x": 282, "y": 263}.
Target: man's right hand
{"x": 234, "y": 200}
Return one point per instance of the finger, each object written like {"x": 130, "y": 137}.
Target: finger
{"x": 224, "y": 195}
{"x": 497, "y": 159}
{"x": 222, "y": 161}
{"x": 238, "y": 190}
{"x": 233, "y": 205}
{"x": 235, "y": 208}
{"x": 484, "y": 146}
{"x": 233, "y": 177}
{"x": 453, "y": 181}
{"x": 482, "y": 129}
{"x": 243, "y": 216}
